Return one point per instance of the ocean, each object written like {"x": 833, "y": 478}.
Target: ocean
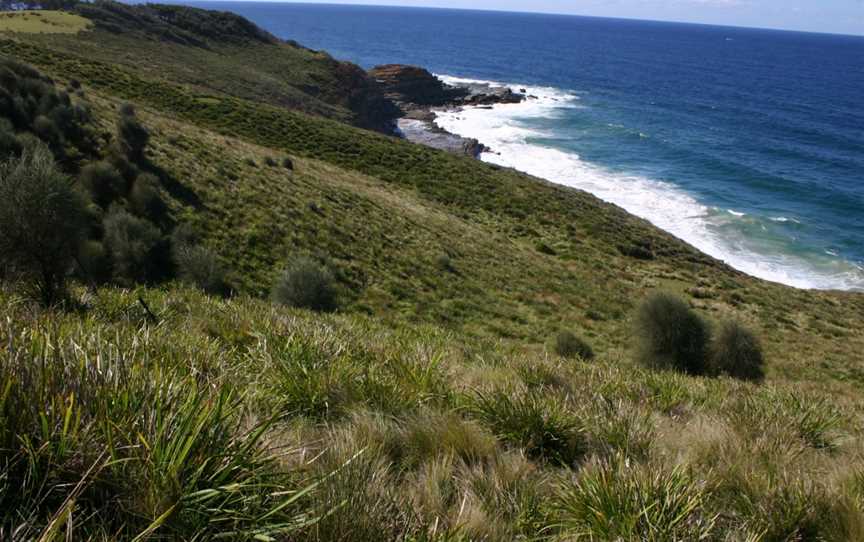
{"x": 746, "y": 143}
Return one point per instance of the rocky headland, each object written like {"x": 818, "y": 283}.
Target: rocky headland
{"x": 419, "y": 94}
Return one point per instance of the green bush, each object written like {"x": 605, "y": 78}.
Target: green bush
{"x": 42, "y": 220}
{"x": 671, "y": 335}
{"x": 568, "y": 345}
{"x": 145, "y": 199}
{"x": 131, "y": 241}
{"x": 47, "y": 131}
{"x": 306, "y": 284}
{"x": 131, "y": 134}
{"x": 199, "y": 265}
{"x": 737, "y": 352}
{"x": 94, "y": 262}
{"x": 9, "y": 144}
{"x": 105, "y": 184}
{"x": 444, "y": 263}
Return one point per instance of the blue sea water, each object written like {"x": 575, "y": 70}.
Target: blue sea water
{"x": 749, "y": 144}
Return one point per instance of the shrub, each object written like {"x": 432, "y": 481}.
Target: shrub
{"x": 104, "y": 182}
{"x": 9, "y": 144}
{"x": 126, "y": 109}
{"x": 145, "y": 199}
{"x": 47, "y": 131}
{"x": 42, "y": 220}
{"x": 131, "y": 242}
{"x": 671, "y": 335}
{"x": 444, "y": 263}
{"x": 568, "y": 345}
{"x": 306, "y": 284}
{"x": 736, "y": 352}
{"x": 94, "y": 262}
{"x": 131, "y": 134}
{"x": 199, "y": 266}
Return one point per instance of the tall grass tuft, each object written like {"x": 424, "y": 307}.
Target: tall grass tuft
{"x": 96, "y": 439}
{"x": 542, "y": 427}
{"x": 614, "y": 500}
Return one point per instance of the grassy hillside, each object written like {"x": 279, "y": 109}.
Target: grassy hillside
{"x": 453, "y": 278}
{"x": 220, "y": 53}
{"x": 43, "y": 22}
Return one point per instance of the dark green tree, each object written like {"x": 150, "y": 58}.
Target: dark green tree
{"x": 42, "y": 221}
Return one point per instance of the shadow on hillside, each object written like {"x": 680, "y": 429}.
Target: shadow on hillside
{"x": 174, "y": 187}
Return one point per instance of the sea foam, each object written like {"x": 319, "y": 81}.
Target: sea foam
{"x": 513, "y": 144}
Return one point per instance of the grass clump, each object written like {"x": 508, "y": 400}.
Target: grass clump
{"x": 543, "y": 428}
{"x": 614, "y": 500}
{"x": 735, "y": 351}
{"x": 569, "y": 345}
{"x": 671, "y": 335}
{"x": 306, "y": 284}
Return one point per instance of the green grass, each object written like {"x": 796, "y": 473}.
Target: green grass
{"x": 187, "y": 427}
{"x": 42, "y": 22}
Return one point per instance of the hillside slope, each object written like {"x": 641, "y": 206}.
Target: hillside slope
{"x": 219, "y": 52}
{"x": 553, "y": 256}
{"x": 453, "y": 277}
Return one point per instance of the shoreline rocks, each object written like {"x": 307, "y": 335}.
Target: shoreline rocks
{"x": 418, "y": 93}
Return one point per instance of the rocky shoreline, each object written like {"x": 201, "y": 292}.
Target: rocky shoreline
{"x": 419, "y": 95}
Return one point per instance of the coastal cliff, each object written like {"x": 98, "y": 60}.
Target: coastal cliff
{"x": 418, "y": 94}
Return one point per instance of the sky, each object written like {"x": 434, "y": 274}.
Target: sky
{"x": 834, "y": 16}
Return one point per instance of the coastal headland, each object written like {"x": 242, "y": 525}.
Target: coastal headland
{"x": 418, "y": 94}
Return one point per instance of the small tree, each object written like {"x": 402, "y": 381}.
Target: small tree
{"x": 306, "y": 284}
{"x": 131, "y": 134}
{"x": 145, "y": 199}
{"x": 568, "y": 345}
{"x": 131, "y": 242}
{"x": 42, "y": 220}
{"x": 105, "y": 184}
{"x": 671, "y": 335}
{"x": 736, "y": 351}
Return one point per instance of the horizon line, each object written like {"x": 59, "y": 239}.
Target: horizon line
{"x": 492, "y": 10}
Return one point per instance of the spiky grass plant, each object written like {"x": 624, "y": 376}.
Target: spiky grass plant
{"x": 618, "y": 500}
{"x": 540, "y": 425}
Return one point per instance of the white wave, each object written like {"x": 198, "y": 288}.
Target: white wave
{"x": 735, "y": 213}
{"x": 783, "y": 219}
{"x": 503, "y": 129}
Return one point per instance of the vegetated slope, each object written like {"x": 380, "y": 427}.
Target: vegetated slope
{"x": 523, "y": 257}
{"x": 430, "y": 409}
{"x": 42, "y": 22}
{"x": 219, "y": 52}
{"x": 243, "y": 419}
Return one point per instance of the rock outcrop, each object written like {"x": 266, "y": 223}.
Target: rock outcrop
{"x": 414, "y": 85}
{"x": 417, "y": 93}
